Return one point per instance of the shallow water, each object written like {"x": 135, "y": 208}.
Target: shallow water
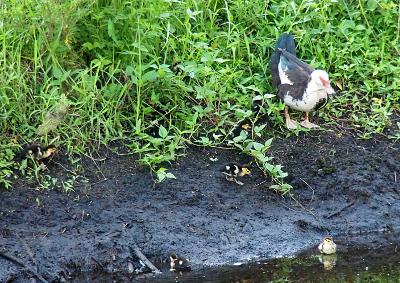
{"x": 369, "y": 258}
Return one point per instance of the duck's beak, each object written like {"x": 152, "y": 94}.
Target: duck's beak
{"x": 329, "y": 89}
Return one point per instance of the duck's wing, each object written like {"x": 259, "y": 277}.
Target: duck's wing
{"x": 296, "y": 62}
{"x": 294, "y": 75}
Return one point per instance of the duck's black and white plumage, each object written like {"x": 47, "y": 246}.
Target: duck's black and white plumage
{"x": 179, "y": 262}
{"x": 232, "y": 170}
{"x": 299, "y": 85}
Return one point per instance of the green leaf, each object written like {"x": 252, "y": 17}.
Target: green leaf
{"x": 129, "y": 70}
{"x": 162, "y": 131}
{"x": 170, "y": 176}
{"x": 57, "y": 72}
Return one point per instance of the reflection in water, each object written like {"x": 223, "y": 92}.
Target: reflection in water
{"x": 328, "y": 261}
{"x": 369, "y": 258}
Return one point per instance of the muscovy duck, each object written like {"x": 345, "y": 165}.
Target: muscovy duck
{"x": 299, "y": 85}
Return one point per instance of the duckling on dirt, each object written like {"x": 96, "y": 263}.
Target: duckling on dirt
{"x": 179, "y": 262}
{"x": 232, "y": 170}
{"x": 38, "y": 152}
{"x": 327, "y": 246}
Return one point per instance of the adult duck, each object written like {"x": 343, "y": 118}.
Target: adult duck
{"x": 299, "y": 85}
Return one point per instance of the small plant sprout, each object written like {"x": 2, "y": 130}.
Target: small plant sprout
{"x": 162, "y": 175}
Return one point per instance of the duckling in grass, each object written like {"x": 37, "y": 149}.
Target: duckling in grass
{"x": 179, "y": 262}
{"x": 327, "y": 246}
{"x": 38, "y": 152}
{"x": 243, "y": 125}
{"x": 232, "y": 170}
{"x": 260, "y": 108}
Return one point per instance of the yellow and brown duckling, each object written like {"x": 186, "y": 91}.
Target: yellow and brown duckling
{"x": 179, "y": 262}
{"x": 327, "y": 246}
{"x": 38, "y": 152}
{"x": 232, "y": 170}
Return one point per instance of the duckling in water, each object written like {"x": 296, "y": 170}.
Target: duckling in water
{"x": 232, "y": 170}
{"x": 37, "y": 152}
{"x": 179, "y": 262}
{"x": 327, "y": 246}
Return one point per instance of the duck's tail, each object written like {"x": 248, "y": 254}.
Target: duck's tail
{"x": 286, "y": 42}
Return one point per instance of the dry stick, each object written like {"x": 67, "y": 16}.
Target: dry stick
{"x": 140, "y": 255}
{"x": 98, "y": 263}
{"x": 20, "y": 262}
{"x": 340, "y": 210}
{"x": 29, "y": 251}
{"x": 13, "y": 259}
{"x": 302, "y": 206}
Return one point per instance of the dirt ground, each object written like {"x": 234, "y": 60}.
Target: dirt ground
{"x": 342, "y": 186}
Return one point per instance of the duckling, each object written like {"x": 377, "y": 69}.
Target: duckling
{"x": 179, "y": 262}
{"x": 232, "y": 170}
{"x": 242, "y": 125}
{"x": 154, "y": 130}
{"x": 259, "y": 108}
{"x": 327, "y": 246}
{"x": 37, "y": 152}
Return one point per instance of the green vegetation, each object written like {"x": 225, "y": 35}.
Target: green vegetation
{"x": 92, "y": 72}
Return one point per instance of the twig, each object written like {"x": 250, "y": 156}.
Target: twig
{"x": 98, "y": 263}
{"x": 313, "y": 192}
{"x": 20, "y": 262}
{"x": 140, "y": 255}
{"x": 13, "y": 259}
{"x": 259, "y": 184}
{"x": 302, "y": 206}
{"x": 339, "y": 119}
{"x": 29, "y": 251}
{"x": 32, "y": 256}
{"x": 340, "y": 210}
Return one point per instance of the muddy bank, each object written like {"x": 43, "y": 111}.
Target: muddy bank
{"x": 342, "y": 186}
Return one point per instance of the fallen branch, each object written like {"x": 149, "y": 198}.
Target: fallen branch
{"x": 340, "y": 210}
{"x": 20, "y": 262}
{"x": 140, "y": 255}
{"x": 29, "y": 251}
{"x": 13, "y": 259}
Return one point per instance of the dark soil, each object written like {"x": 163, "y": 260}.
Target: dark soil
{"x": 342, "y": 186}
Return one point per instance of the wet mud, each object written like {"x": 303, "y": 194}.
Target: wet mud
{"x": 343, "y": 186}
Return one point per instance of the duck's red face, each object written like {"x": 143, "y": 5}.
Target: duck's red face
{"x": 327, "y": 85}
